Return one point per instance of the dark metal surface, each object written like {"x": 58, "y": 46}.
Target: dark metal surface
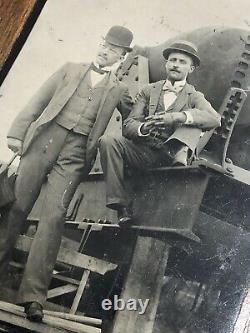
{"x": 220, "y": 139}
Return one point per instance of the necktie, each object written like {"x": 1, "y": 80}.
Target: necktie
{"x": 169, "y": 87}
{"x": 98, "y": 70}
{"x": 170, "y": 93}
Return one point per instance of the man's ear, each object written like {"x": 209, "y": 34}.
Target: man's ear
{"x": 192, "y": 68}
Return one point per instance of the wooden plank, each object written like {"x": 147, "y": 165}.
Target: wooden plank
{"x": 84, "y": 261}
{"x": 71, "y": 257}
{"x": 79, "y": 292}
{"x": 68, "y": 288}
{"x": 66, "y": 279}
{"x": 148, "y": 324}
{"x": 9, "y": 295}
{"x": 16, "y": 320}
{"x": 55, "y": 275}
{"x": 78, "y": 318}
{"x": 17, "y": 312}
{"x": 70, "y": 325}
{"x": 49, "y": 306}
{"x": 144, "y": 281}
{"x": 69, "y": 243}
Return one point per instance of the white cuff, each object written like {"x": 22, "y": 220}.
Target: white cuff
{"x": 190, "y": 119}
{"x": 139, "y": 131}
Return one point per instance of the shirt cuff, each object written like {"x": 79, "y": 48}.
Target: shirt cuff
{"x": 139, "y": 131}
{"x": 190, "y": 119}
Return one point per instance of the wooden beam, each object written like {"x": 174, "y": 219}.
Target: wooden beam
{"x": 55, "y": 275}
{"x": 9, "y": 295}
{"x": 79, "y": 292}
{"x": 69, "y": 243}
{"x": 144, "y": 281}
{"x": 168, "y": 200}
{"x": 55, "y": 292}
{"x": 70, "y": 257}
{"x": 16, "y": 320}
{"x": 16, "y": 314}
{"x": 78, "y": 318}
{"x": 66, "y": 279}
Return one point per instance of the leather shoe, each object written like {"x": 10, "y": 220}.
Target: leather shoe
{"x": 34, "y": 311}
{"x": 124, "y": 217}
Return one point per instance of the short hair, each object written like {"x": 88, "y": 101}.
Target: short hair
{"x": 177, "y": 51}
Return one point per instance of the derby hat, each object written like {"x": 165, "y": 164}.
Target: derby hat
{"x": 185, "y": 47}
{"x": 119, "y": 36}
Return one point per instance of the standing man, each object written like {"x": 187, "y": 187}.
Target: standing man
{"x": 164, "y": 127}
{"x": 56, "y": 135}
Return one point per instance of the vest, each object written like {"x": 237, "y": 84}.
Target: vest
{"x": 79, "y": 113}
{"x": 157, "y": 138}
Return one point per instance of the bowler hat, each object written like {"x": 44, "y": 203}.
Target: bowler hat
{"x": 185, "y": 47}
{"x": 119, "y": 36}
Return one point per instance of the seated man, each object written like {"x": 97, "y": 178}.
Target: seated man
{"x": 164, "y": 127}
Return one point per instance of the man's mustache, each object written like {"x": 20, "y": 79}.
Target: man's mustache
{"x": 174, "y": 70}
{"x": 103, "y": 56}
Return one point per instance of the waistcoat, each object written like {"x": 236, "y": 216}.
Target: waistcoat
{"x": 79, "y": 113}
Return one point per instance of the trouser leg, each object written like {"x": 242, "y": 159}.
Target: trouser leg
{"x": 59, "y": 190}
{"x": 118, "y": 152}
{"x": 32, "y": 171}
{"x": 190, "y": 136}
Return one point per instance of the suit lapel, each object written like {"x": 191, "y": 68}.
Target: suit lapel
{"x": 105, "y": 112}
{"x": 181, "y": 99}
{"x": 110, "y": 85}
{"x": 66, "y": 93}
{"x": 155, "y": 96}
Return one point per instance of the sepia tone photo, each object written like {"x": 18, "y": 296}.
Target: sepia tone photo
{"x": 124, "y": 166}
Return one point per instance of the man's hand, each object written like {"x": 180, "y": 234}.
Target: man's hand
{"x": 147, "y": 127}
{"x": 165, "y": 119}
{"x": 15, "y": 145}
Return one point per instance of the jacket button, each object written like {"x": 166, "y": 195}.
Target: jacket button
{"x": 89, "y": 98}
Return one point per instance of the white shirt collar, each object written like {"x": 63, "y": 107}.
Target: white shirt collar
{"x": 177, "y": 83}
{"x": 112, "y": 68}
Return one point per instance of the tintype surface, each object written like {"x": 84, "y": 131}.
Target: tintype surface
{"x": 186, "y": 260}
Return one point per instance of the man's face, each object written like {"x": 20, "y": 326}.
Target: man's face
{"x": 178, "y": 66}
{"x": 108, "y": 54}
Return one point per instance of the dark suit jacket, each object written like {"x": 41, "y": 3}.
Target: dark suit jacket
{"x": 54, "y": 94}
{"x": 189, "y": 100}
